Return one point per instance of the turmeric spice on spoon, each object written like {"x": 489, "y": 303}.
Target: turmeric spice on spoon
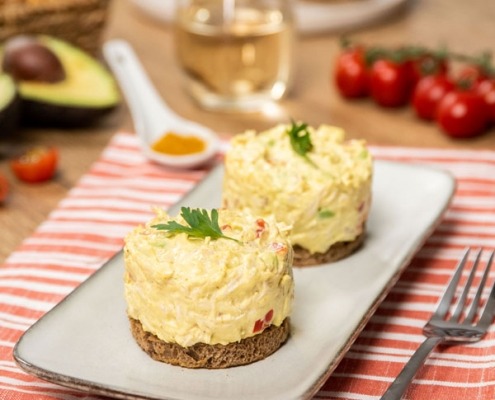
{"x": 173, "y": 144}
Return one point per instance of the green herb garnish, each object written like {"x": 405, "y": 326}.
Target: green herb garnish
{"x": 324, "y": 213}
{"x": 300, "y": 140}
{"x": 201, "y": 225}
{"x": 364, "y": 154}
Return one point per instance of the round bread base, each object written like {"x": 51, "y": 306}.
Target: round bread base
{"x": 201, "y": 355}
{"x": 339, "y": 250}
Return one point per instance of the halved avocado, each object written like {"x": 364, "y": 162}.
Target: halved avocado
{"x": 86, "y": 92}
{"x": 9, "y": 106}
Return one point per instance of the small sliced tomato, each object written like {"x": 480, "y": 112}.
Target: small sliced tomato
{"x": 4, "y": 188}
{"x": 35, "y": 165}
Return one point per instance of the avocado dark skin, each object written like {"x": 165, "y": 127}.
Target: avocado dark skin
{"x": 36, "y": 114}
{"x": 10, "y": 104}
{"x": 59, "y": 84}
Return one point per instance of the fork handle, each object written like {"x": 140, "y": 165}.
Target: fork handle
{"x": 402, "y": 381}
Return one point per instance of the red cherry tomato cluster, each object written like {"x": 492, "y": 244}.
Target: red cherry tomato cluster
{"x": 462, "y": 104}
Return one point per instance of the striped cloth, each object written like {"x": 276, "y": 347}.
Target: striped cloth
{"x": 88, "y": 227}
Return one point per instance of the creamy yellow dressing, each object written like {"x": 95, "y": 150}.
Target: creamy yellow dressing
{"x": 325, "y": 200}
{"x": 188, "y": 290}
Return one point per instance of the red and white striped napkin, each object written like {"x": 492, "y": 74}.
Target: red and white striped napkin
{"x": 88, "y": 227}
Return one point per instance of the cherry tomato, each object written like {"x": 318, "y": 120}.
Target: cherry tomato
{"x": 486, "y": 89}
{"x": 424, "y": 66}
{"x": 470, "y": 76}
{"x": 4, "y": 188}
{"x": 35, "y": 165}
{"x": 428, "y": 93}
{"x": 389, "y": 83}
{"x": 462, "y": 114}
{"x": 351, "y": 73}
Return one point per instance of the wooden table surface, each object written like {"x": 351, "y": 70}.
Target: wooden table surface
{"x": 466, "y": 27}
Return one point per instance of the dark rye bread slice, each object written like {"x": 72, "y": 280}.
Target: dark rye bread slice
{"x": 201, "y": 355}
{"x": 339, "y": 250}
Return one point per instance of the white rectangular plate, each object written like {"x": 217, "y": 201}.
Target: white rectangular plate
{"x": 85, "y": 342}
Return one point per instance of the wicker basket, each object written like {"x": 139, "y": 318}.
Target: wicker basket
{"x": 80, "y": 22}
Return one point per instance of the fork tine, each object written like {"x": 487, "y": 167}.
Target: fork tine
{"x": 462, "y": 299}
{"x": 444, "y": 304}
{"x": 488, "y": 312}
{"x": 475, "y": 303}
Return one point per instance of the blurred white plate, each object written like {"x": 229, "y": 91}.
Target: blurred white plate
{"x": 312, "y": 17}
{"x": 85, "y": 341}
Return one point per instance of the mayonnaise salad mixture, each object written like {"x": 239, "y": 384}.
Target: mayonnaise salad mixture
{"x": 189, "y": 290}
{"x": 325, "y": 197}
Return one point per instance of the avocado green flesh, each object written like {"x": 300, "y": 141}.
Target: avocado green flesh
{"x": 7, "y": 91}
{"x": 87, "y": 83}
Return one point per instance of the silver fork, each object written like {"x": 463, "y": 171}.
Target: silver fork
{"x": 461, "y": 326}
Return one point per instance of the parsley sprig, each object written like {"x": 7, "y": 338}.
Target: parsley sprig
{"x": 300, "y": 140}
{"x": 201, "y": 224}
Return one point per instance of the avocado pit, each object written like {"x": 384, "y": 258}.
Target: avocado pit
{"x": 27, "y": 59}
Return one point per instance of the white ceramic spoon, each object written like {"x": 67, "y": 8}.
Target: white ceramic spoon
{"x": 151, "y": 116}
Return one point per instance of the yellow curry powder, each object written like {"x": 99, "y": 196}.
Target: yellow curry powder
{"x": 177, "y": 145}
